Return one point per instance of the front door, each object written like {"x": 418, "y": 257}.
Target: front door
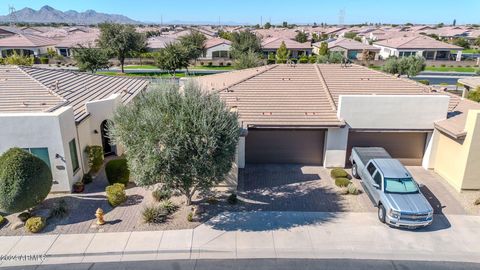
{"x": 107, "y": 147}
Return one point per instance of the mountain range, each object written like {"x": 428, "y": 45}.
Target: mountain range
{"x": 48, "y": 14}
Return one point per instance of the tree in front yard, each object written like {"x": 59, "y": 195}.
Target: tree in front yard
{"x": 474, "y": 95}
{"x": 172, "y": 58}
{"x": 410, "y": 66}
{"x": 25, "y": 180}
{"x": 323, "y": 50}
{"x": 282, "y": 54}
{"x": 121, "y": 40}
{"x": 90, "y": 59}
{"x": 194, "y": 43}
{"x": 247, "y": 60}
{"x": 301, "y": 37}
{"x": 185, "y": 140}
{"x": 244, "y": 42}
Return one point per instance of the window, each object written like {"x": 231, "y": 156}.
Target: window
{"x": 400, "y": 185}
{"x": 41, "y": 153}
{"x": 378, "y": 179}
{"x": 371, "y": 168}
{"x": 73, "y": 155}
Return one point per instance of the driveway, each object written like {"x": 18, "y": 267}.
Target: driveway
{"x": 295, "y": 187}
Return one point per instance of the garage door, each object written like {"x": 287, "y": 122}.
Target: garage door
{"x": 284, "y": 146}
{"x": 408, "y": 147}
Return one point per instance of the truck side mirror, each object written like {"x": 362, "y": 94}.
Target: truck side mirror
{"x": 376, "y": 186}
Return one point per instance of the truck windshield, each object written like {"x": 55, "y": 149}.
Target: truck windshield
{"x": 400, "y": 185}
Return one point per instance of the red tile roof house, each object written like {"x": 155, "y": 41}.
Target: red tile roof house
{"x": 26, "y": 44}
{"x": 75, "y": 40}
{"x": 315, "y": 113}
{"x": 216, "y": 49}
{"x": 419, "y": 45}
{"x": 297, "y": 49}
{"x": 349, "y": 48}
{"x": 55, "y": 114}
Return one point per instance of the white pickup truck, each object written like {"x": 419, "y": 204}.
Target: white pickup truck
{"x": 393, "y": 190}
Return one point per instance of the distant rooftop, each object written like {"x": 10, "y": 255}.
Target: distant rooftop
{"x": 26, "y": 40}
{"x": 416, "y": 42}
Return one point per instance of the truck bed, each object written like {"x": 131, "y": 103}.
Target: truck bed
{"x": 365, "y": 154}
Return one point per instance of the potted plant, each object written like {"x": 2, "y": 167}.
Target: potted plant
{"x": 78, "y": 187}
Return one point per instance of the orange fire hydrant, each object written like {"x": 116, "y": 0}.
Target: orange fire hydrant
{"x": 100, "y": 214}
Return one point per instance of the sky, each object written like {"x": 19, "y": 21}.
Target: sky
{"x": 275, "y": 11}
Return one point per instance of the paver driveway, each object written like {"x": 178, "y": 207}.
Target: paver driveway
{"x": 294, "y": 187}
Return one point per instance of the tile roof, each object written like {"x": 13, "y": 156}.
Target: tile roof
{"x": 52, "y": 87}
{"x": 79, "y": 38}
{"x": 349, "y": 44}
{"x": 454, "y": 125}
{"x": 416, "y": 42}
{"x": 159, "y": 42}
{"x": 275, "y": 42}
{"x": 472, "y": 82}
{"x": 26, "y": 40}
{"x": 304, "y": 95}
{"x": 212, "y": 42}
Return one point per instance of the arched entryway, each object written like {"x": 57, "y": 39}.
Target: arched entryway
{"x": 108, "y": 148}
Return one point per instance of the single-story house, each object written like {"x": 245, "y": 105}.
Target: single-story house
{"x": 419, "y": 45}
{"x": 75, "y": 40}
{"x": 216, "y": 49}
{"x": 26, "y": 44}
{"x": 6, "y": 31}
{"x": 157, "y": 43}
{"x": 350, "y": 48}
{"x": 315, "y": 113}
{"x": 55, "y": 114}
{"x": 297, "y": 49}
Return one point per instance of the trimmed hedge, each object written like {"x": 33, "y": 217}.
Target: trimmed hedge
{"x": 342, "y": 182}
{"x": 116, "y": 194}
{"x": 117, "y": 171}
{"x": 95, "y": 157}
{"x": 25, "y": 180}
{"x": 35, "y": 224}
{"x": 338, "y": 173}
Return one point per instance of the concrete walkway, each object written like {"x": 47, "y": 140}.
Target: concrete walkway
{"x": 314, "y": 235}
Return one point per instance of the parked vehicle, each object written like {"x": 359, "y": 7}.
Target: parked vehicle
{"x": 394, "y": 191}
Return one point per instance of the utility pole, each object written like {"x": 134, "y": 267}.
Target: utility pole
{"x": 261, "y": 21}
{"x": 12, "y": 15}
{"x": 341, "y": 17}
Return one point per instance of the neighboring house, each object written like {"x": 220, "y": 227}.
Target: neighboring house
{"x": 350, "y": 48}
{"x": 6, "y": 31}
{"x": 314, "y": 114}
{"x": 419, "y": 45}
{"x": 76, "y": 40}
{"x": 297, "y": 49}
{"x": 26, "y": 44}
{"x": 216, "y": 49}
{"x": 55, "y": 114}
{"x": 157, "y": 43}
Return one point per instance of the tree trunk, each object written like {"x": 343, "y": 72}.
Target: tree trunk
{"x": 122, "y": 62}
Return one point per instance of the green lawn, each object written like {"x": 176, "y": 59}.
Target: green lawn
{"x": 141, "y": 67}
{"x": 446, "y": 69}
{"x": 471, "y": 51}
{"x": 147, "y": 74}
{"x": 212, "y": 67}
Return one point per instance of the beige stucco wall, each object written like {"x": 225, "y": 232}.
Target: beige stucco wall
{"x": 458, "y": 161}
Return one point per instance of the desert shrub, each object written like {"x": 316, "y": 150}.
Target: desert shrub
{"x": 303, "y": 59}
{"x": 338, "y": 173}
{"x": 116, "y": 194}
{"x": 477, "y": 202}
{"x": 154, "y": 214}
{"x": 232, "y": 199}
{"x": 210, "y": 64}
{"x": 87, "y": 178}
{"x": 44, "y": 60}
{"x": 312, "y": 59}
{"x": 117, "y": 171}
{"x": 190, "y": 217}
{"x": 2, "y": 220}
{"x": 162, "y": 193}
{"x": 35, "y": 224}
{"x": 342, "y": 182}
{"x": 477, "y": 72}
{"x": 95, "y": 157}
{"x": 59, "y": 210}
{"x": 24, "y": 216}
{"x": 426, "y": 82}
{"x": 443, "y": 65}
{"x": 25, "y": 180}
{"x": 168, "y": 206}
{"x": 352, "y": 189}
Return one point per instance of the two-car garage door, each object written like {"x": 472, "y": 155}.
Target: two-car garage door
{"x": 306, "y": 146}
{"x": 408, "y": 147}
{"x": 284, "y": 146}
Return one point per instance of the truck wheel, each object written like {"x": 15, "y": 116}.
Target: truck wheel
{"x": 355, "y": 171}
{"x": 381, "y": 213}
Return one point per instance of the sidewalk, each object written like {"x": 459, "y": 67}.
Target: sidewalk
{"x": 262, "y": 235}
